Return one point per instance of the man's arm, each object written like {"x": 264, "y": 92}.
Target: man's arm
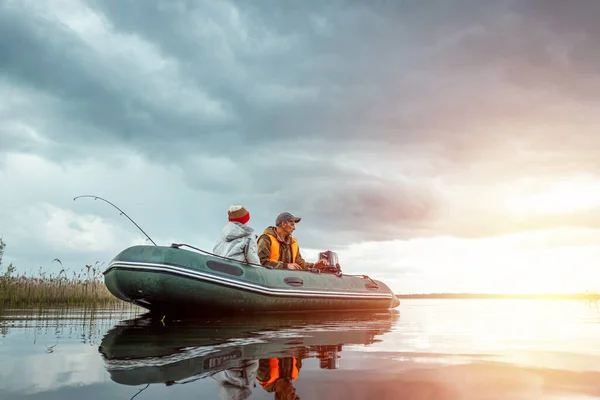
{"x": 264, "y": 253}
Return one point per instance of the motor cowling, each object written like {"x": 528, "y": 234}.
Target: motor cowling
{"x": 332, "y": 258}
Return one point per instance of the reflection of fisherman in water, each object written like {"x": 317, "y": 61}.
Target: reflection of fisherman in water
{"x": 276, "y": 375}
{"x": 236, "y": 382}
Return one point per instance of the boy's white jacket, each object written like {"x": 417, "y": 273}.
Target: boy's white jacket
{"x": 238, "y": 241}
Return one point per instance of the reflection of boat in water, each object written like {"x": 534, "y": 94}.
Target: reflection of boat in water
{"x": 142, "y": 350}
{"x": 171, "y": 279}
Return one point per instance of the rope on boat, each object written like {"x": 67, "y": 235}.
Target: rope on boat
{"x": 178, "y": 245}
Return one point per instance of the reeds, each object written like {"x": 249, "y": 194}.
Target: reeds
{"x": 85, "y": 288}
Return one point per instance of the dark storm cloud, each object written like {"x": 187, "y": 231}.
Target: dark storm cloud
{"x": 402, "y": 72}
{"x": 336, "y": 69}
{"x": 302, "y": 73}
{"x": 94, "y": 103}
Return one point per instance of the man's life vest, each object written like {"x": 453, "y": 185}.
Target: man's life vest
{"x": 274, "y": 371}
{"x": 275, "y": 248}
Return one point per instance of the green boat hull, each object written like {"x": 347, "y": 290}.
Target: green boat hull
{"x": 174, "y": 280}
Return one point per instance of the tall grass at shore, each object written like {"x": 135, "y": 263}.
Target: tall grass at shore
{"x": 83, "y": 288}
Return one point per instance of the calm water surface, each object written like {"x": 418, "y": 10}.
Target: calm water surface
{"x": 427, "y": 349}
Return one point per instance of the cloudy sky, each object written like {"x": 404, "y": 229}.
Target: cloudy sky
{"x": 446, "y": 146}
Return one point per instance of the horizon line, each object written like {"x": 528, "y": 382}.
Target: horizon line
{"x": 496, "y": 295}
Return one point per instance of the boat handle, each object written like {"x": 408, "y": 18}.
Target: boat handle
{"x": 294, "y": 281}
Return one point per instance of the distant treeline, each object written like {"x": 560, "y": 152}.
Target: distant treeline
{"x": 557, "y": 296}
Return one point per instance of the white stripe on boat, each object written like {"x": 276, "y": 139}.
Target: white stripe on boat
{"x": 243, "y": 285}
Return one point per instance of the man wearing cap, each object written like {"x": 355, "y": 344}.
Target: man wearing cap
{"x": 278, "y": 249}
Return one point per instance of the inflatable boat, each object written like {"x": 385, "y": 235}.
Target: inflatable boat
{"x": 173, "y": 280}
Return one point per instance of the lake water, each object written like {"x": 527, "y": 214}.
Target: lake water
{"x": 427, "y": 349}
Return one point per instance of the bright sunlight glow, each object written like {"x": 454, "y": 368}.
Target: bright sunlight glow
{"x": 563, "y": 197}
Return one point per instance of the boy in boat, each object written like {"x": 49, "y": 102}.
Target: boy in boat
{"x": 278, "y": 249}
{"x": 238, "y": 240}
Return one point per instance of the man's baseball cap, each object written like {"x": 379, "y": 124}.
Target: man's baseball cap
{"x": 286, "y": 216}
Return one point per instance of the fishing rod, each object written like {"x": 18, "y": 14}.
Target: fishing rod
{"x": 122, "y": 212}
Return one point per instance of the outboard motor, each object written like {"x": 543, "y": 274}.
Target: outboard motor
{"x": 332, "y": 259}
